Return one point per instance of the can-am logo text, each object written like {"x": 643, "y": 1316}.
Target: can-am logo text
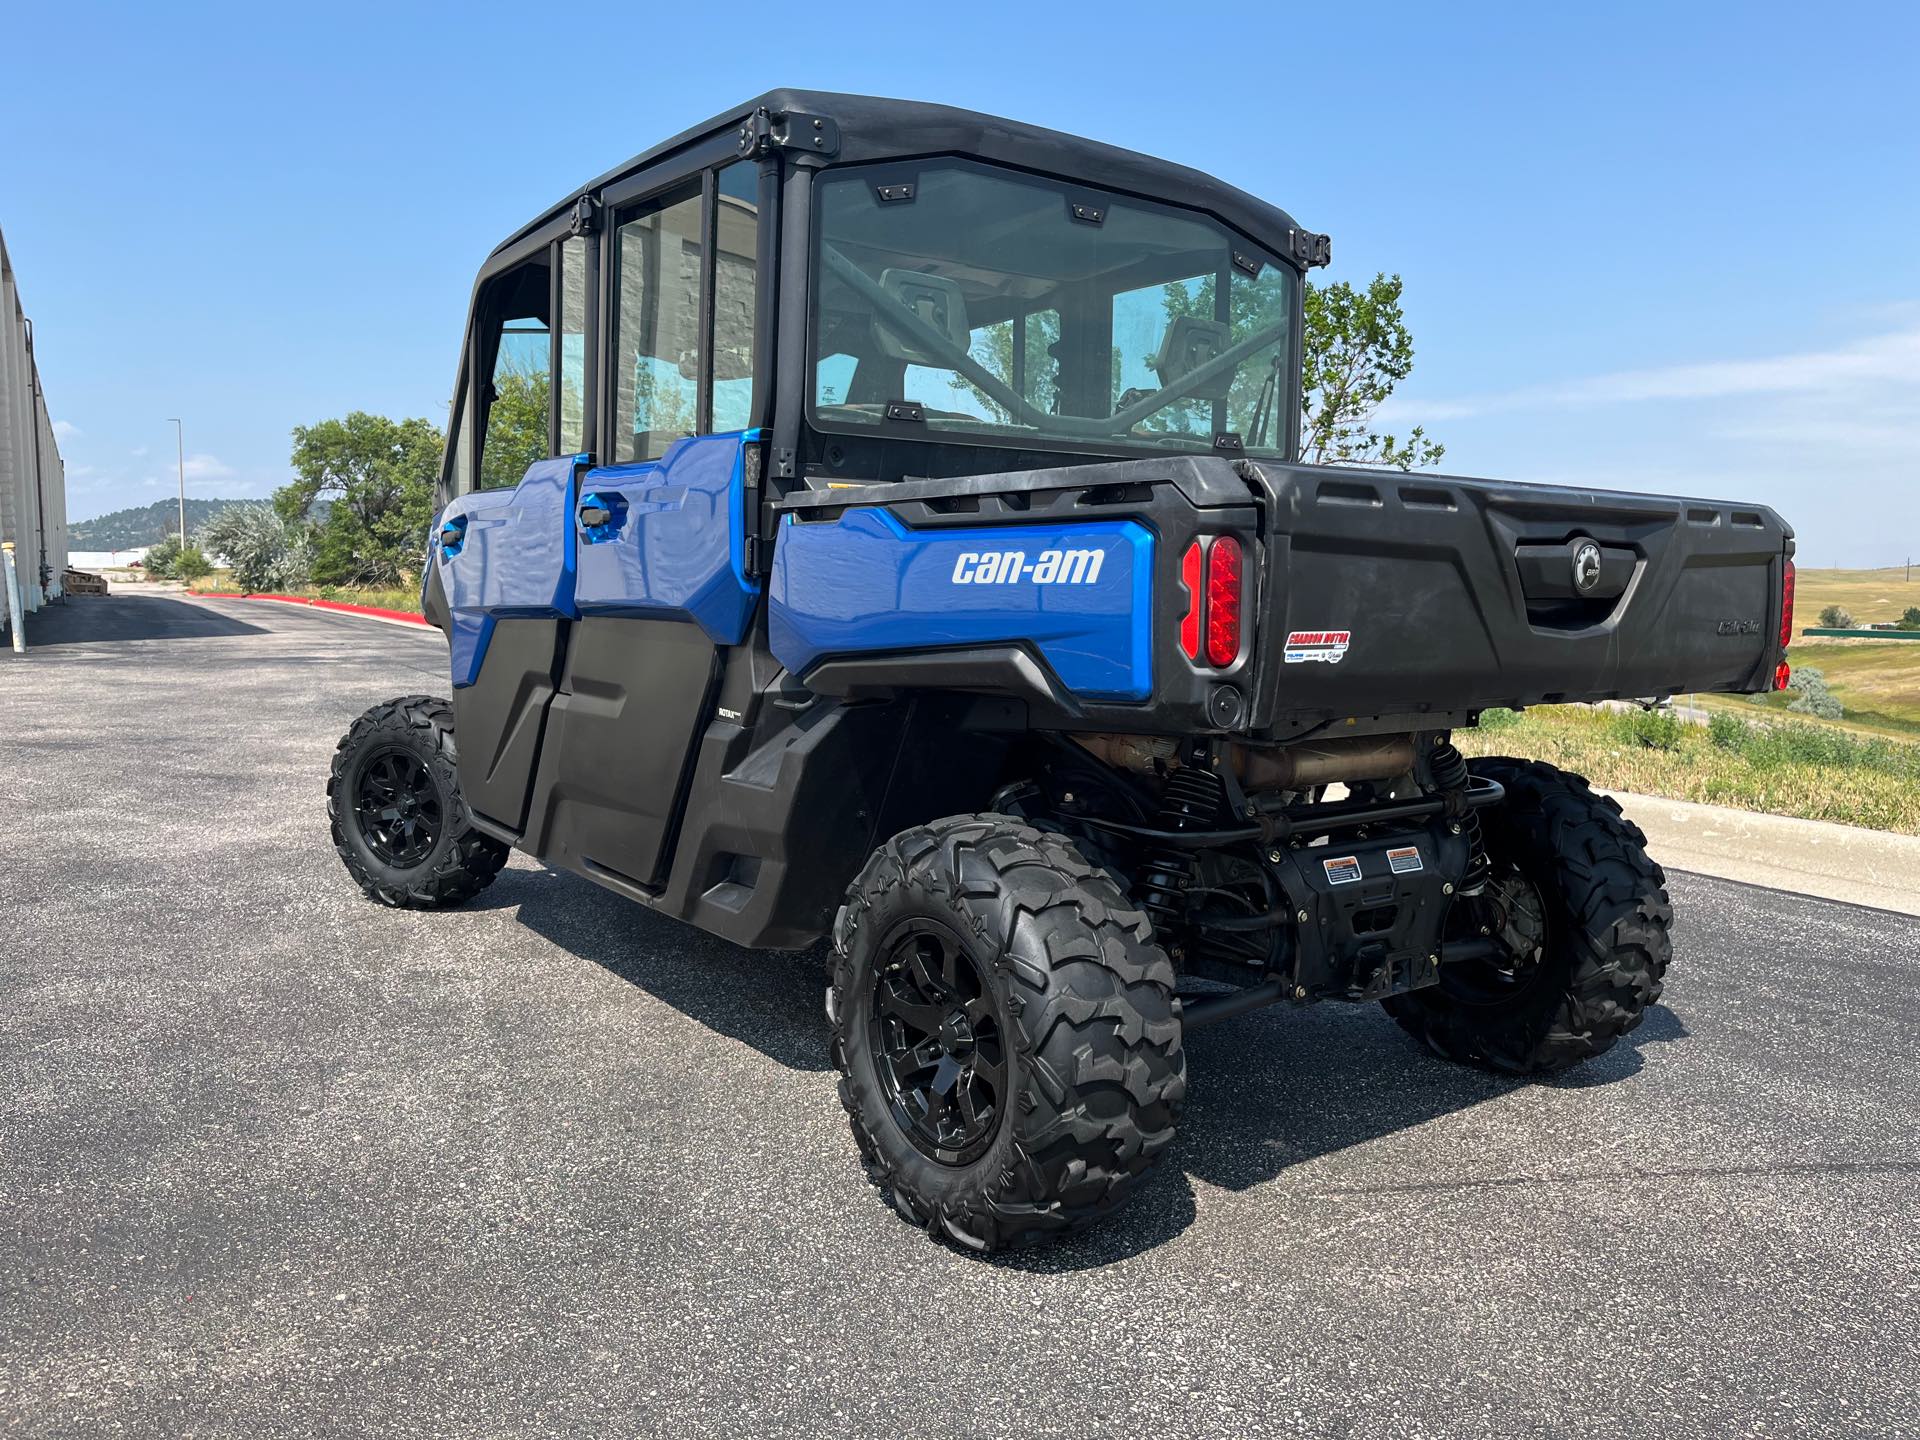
{"x": 1009, "y": 567}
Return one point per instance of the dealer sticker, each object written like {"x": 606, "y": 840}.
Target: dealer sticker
{"x": 1304, "y": 646}
{"x": 1342, "y": 869}
{"x": 1405, "y": 860}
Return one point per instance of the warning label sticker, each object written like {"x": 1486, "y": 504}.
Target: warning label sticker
{"x": 1405, "y": 860}
{"x": 1342, "y": 869}
{"x": 1304, "y": 646}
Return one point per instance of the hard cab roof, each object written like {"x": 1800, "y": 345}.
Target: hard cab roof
{"x": 871, "y": 128}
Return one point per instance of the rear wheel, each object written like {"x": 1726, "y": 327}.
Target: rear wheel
{"x": 399, "y": 823}
{"x": 1006, "y": 1032}
{"x": 1581, "y": 917}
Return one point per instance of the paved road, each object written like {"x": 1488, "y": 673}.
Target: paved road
{"x": 276, "y": 1161}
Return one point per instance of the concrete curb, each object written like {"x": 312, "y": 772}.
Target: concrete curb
{"x": 1807, "y": 857}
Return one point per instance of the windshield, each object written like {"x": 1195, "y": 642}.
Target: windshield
{"x": 993, "y": 304}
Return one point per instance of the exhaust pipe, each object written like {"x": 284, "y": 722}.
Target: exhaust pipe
{"x": 1262, "y": 767}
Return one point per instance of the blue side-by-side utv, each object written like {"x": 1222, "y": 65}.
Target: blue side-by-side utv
{"x": 882, "y": 522}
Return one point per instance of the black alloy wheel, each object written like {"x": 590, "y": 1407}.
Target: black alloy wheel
{"x": 940, "y": 1042}
{"x": 398, "y": 808}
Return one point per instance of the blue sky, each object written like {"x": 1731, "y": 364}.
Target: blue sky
{"x": 1652, "y": 247}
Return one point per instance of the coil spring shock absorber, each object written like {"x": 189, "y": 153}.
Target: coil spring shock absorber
{"x": 1449, "y": 770}
{"x": 1191, "y": 802}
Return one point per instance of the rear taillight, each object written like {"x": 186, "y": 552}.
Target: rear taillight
{"x": 1190, "y": 624}
{"x": 1783, "y": 673}
{"x": 1223, "y": 601}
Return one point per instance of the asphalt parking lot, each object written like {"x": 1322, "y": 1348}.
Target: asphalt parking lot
{"x": 276, "y": 1161}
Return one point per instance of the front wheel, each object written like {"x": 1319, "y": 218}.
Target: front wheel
{"x": 1581, "y": 917}
{"x": 399, "y": 823}
{"x": 1006, "y": 1032}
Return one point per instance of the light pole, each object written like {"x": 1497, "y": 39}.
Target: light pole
{"x": 180, "y": 453}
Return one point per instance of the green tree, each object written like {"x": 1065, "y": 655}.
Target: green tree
{"x": 191, "y": 564}
{"x": 1911, "y": 620}
{"x": 1357, "y": 349}
{"x": 1836, "y": 617}
{"x": 379, "y": 475}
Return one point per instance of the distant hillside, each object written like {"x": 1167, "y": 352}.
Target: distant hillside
{"x": 124, "y": 529}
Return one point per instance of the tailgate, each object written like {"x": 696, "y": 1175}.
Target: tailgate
{"x": 1396, "y": 592}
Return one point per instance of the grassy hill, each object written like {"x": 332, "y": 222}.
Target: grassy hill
{"x": 1869, "y": 594}
{"x": 125, "y": 529}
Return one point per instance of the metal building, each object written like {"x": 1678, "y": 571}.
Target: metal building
{"x": 33, "y": 479}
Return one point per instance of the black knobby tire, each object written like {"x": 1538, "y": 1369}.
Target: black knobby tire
{"x": 442, "y": 861}
{"x": 1606, "y": 942}
{"x": 1094, "y": 1070}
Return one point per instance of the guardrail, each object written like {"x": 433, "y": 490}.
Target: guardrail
{"x": 1864, "y": 634}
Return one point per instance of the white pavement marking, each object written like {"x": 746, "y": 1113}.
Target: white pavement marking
{"x": 1808, "y": 857}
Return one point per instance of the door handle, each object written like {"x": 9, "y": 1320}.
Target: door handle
{"x": 601, "y": 516}
{"x": 453, "y": 535}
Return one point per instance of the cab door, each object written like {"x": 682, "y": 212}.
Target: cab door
{"x": 661, "y": 584}
{"x": 503, "y": 549}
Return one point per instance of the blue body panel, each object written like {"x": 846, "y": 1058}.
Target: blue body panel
{"x": 865, "y": 582}
{"x": 675, "y": 545}
{"x": 516, "y": 559}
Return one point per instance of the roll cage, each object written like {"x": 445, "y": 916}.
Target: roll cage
{"x": 784, "y": 138}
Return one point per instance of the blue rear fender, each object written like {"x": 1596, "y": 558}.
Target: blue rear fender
{"x": 1080, "y": 594}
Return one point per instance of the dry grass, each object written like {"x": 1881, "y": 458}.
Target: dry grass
{"x": 1807, "y": 770}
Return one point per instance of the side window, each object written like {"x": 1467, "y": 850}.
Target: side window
{"x": 656, "y": 329}
{"x": 735, "y": 278}
{"x": 515, "y": 361}
{"x": 573, "y": 345}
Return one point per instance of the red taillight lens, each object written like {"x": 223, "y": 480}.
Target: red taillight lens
{"x": 1783, "y": 672}
{"x": 1786, "y": 608}
{"x": 1223, "y": 601}
{"x": 1190, "y": 625}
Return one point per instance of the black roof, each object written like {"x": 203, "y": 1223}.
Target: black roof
{"x": 871, "y": 128}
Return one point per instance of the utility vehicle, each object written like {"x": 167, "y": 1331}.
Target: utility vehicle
{"x": 874, "y": 521}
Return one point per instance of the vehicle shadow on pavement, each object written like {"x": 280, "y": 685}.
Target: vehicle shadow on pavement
{"x": 1279, "y": 1089}
{"x": 1267, "y": 1092}
{"x": 118, "y": 619}
{"x": 770, "y": 1000}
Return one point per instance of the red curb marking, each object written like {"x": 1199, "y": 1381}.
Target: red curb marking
{"x": 407, "y": 615}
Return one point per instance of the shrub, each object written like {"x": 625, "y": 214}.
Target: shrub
{"x": 1498, "y": 718}
{"x": 1728, "y": 732}
{"x": 1836, "y": 617}
{"x": 266, "y": 553}
{"x": 1652, "y": 729}
{"x": 191, "y": 564}
{"x": 1815, "y": 698}
{"x": 160, "y": 558}
{"x": 1911, "y": 620}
